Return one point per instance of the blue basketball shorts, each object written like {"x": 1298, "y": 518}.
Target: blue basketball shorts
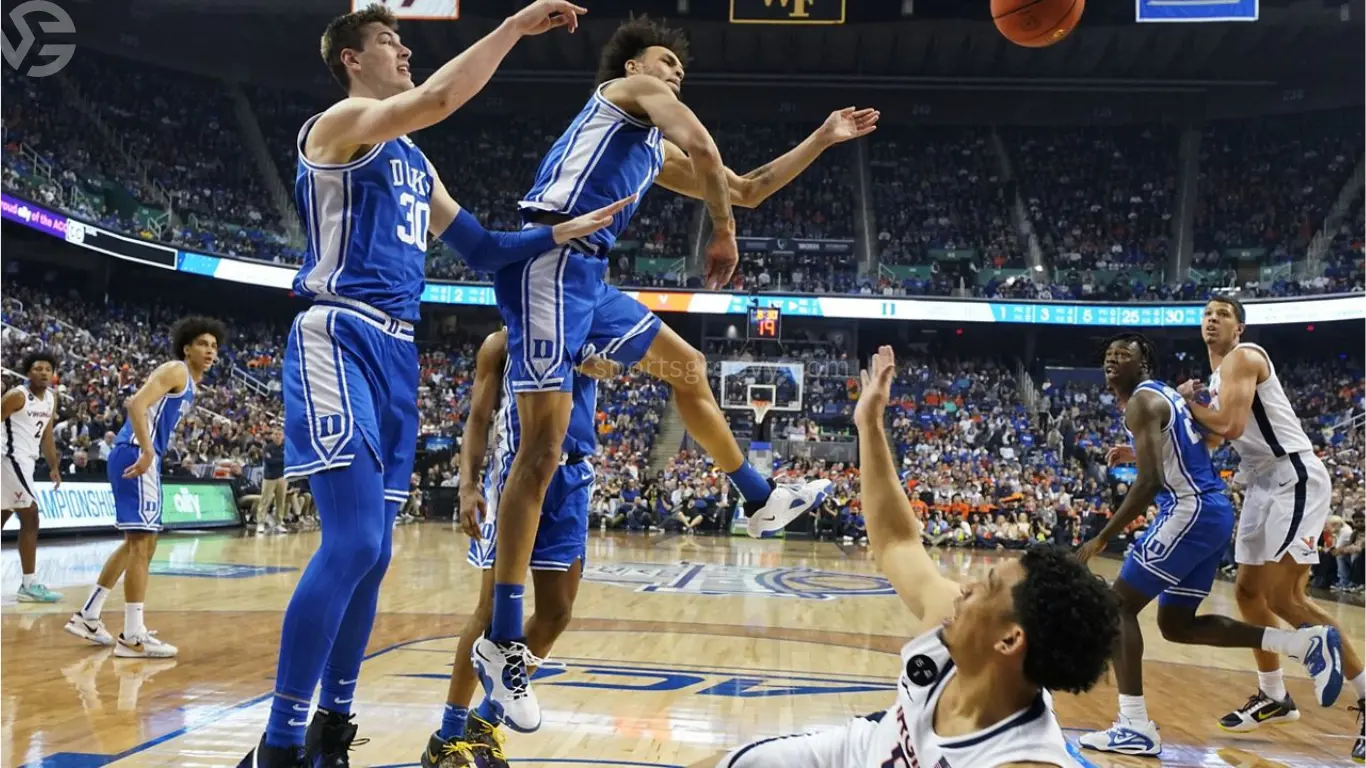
{"x": 562, "y": 536}
{"x": 137, "y": 501}
{"x": 350, "y": 383}
{"x": 1179, "y": 556}
{"x": 559, "y": 310}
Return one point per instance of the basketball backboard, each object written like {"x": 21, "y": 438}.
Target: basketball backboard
{"x": 762, "y": 387}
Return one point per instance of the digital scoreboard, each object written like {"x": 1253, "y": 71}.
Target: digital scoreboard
{"x": 765, "y": 323}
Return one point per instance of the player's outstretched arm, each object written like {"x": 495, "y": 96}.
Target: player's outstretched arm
{"x": 1145, "y": 416}
{"x": 488, "y": 376}
{"x": 751, "y": 189}
{"x": 489, "y": 251}
{"x": 357, "y": 122}
{"x": 893, "y": 528}
{"x": 167, "y": 378}
{"x": 1238, "y": 375}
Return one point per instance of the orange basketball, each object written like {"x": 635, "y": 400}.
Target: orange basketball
{"x": 1036, "y": 23}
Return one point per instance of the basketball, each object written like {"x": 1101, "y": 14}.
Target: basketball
{"x": 1036, "y": 23}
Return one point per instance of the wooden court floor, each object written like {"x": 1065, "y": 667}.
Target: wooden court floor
{"x": 680, "y": 647}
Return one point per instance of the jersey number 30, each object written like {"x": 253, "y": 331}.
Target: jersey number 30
{"x": 417, "y": 212}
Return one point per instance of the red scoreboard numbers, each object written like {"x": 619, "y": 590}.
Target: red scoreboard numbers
{"x": 765, "y": 323}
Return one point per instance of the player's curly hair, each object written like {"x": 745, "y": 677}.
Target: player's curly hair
{"x": 1147, "y": 351}
{"x": 348, "y": 31}
{"x": 630, "y": 41}
{"x": 187, "y": 329}
{"x": 1070, "y": 620}
{"x": 39, "y": 356}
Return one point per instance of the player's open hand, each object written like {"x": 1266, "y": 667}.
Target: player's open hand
{"x": 55, "y": 476}
{"x": 723, "y": 254}
{"x": 848, "y": 124}
{"x": 473, "y": 510}
{"x": 590, "y": 222}
{"x": 545, "y": 15}
{"x": 1090, "y": 549}
{"x": 877, "y": 384}
{"x": 1191, "y": 389}
{"x": 1120, "y": 454}
{"x": 139, "y": 467}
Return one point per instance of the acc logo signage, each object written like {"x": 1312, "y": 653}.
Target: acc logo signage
{"x": 713, "y": 579}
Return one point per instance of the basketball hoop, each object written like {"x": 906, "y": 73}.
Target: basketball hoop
{"x": 761, "y": 409}
{"x": 761, "y": 398}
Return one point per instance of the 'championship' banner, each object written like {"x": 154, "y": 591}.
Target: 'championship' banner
{"x": 83, "y": 505}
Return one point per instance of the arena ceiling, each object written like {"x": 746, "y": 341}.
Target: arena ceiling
{"x": 952, "y": 41}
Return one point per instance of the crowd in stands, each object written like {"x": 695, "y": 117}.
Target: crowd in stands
{"x": 985, "y": 465}
{"x": 941, "y": 189}
{"x": 168, "y": 156}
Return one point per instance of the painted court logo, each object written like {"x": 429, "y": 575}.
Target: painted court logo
{"x": 713, "y": 579}
{"x": 48, "y": 58}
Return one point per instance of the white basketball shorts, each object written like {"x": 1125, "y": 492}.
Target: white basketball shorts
{"x": 16, "y": 483}
{"x": 1284, "y": 511}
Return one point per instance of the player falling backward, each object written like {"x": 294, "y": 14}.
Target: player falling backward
{"x": 1178, "y": 556}
{"x": 1284, "y": 509}
{"x": 28, "y": 411}
{"x": 974, "y": 688}
{"x": 633, "y": 132}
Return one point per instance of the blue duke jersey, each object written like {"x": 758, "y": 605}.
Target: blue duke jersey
{"x": 367, "y": 226}
{"x": 1181, "y": 550}
{"x": 137, "y": 501}
{"x": 162, "y": 418}
{"x": 1187, "y": 471}
{"x": 562, "y": 534}
{"x": 604, "y": 156}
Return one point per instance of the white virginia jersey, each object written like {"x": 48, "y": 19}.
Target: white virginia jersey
{"x": 905, "y": 735}
{"x": 1274, "y": 430}
{"x": 23, "y": 437}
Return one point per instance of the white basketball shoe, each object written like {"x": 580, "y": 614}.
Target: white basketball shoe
{"x": 502, "y": 669}
{"x": 785, "y": 504}
{"x": 144, "y": 645}
{"x": 89, "y": 629}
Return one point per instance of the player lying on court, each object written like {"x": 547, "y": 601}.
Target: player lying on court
{"x": 1288, "y": 500}
{"x": 633, "y": 132}
{"x": 1180, "y": 553}
{"x": 153, "y": 412}
{"x": 370, "y": 200}
{"x": 29, "y": 411}
{"x": 467, "y": 737}
{"x": 974, "y": 688}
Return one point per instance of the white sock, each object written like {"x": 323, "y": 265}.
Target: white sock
{"x": 28, "y": 580}
{"x": 95, "y": 603}
{"x": 1359, "y": 685}
{"x": 1272, "y": 684}
{"x": 1287, "y": 642}
{"x": 1133, "y": 710}
{"x": 132, "y": 621}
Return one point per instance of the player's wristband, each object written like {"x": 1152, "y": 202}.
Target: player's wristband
{"x": 487, "y": 251}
